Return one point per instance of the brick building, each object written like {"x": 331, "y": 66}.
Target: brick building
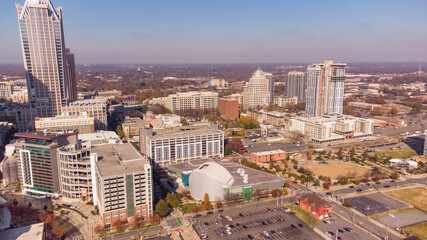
{"x": 268, "y": 156}
{"x": 228, "y": 108}
{"x": 316, "y": 206}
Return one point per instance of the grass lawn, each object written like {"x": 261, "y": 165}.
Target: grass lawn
{"x": 414, "y": 196}
{"x": 398, "y": 153}
{"x": 419, "y": 230}
{"x": 305, "y": 216}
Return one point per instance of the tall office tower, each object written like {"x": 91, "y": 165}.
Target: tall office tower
{"x": 258, "y": 91}
{"x": 71, "y": 75}
{"x": 45, "y": 57}
{"x": 295, "y": 85}
{"x": 270, "y": 78}
{"x": 325, "y": 88}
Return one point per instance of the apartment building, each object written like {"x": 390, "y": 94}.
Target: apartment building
{"x": 38, "y": 166}
{"x": 6, "y": 90}
{"x": 332, "y": 127}
{"x": 218, "y": 82}
{"x": 122, "y": 183}
{"x": 296, "y": 85}
{"x": 180, "y": 144}
{"x": 90, "y": 107}
{"x": 325, "y": 89}
{"x": 185, "y": 101}
{"x": 20, "y": 114}
{"x": 83, "y": 124}
{"x": 229, "y": 108}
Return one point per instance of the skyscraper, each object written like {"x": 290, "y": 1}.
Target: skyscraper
{"x": 325, "y": 88}
{"x": 295, "y": 85}
{"x": 259, "y": 90}
{"x": 49, "y": 67}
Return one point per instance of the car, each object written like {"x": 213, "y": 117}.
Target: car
{"x": 279, "y": 230}
{"x": 209, "y": 213}
{"x": 368, "y": 184}
{"x": 327, "y": 222}
{"x": 197, "y": 215}
{"x": 295, "y": 182}
{"x": 263, "y": 223}
{"x": 238, "y": 224}
{"x": 331, "y": 233}
{"x": 351, "y": 186}
{"x": 391, "y": 214}
{"x": 340, "y": 230}
{"x": 293, "y": 226}
{"x": 216, "y": 222}
{"x": 240, "y": 214}
{"x": 392, "y": 181}
{"x": 229, "y": 218}
{"x": 287, "y": 210}
{"x": 250, "y": 237}
{"x": 378, "y": 183}
{"x": 387, "y": 186}
{"x": 347, "y": 229}
{"x": 359, "y": 190}
{"x": 206, "y": 224}
{"x": 371, "y": 188}
{"x": 272, "y": 232}
{"x": 228, "y": 231}
{"x": 328, "y": 234}
{"x": 266, "y": 233}
{"x": 300, "y": 225}
{"x": 339, "y": 237}
{"x": 220, "y": 210}
{"x": 244, "y": 227}
{"x": 221, "y": 232}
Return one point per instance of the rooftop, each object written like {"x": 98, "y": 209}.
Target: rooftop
{"x": 315, "y": 201}
{"x": 183, "y": 131}
{"x": 269, "y": 152}
{"x": 258, "y": 73}
{"x": 88, "y": 102}
{"x": 329, "y": 119}
{"x": 118, "y": 159}
{"x": 100, "y": 137}
{"x": 63, "y": 117}
{"x": 31, "y": 232}
{"x": 46, "y": 135}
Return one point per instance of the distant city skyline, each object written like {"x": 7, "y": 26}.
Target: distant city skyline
{"x": 237, "y": 31}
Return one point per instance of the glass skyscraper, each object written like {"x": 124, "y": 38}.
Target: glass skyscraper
{"x": 49, "y": 66}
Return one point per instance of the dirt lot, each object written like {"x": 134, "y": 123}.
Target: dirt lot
{"x": 419, "y": 230}
{"x": 413, "y": 196}
{"x": 335, "y": 169}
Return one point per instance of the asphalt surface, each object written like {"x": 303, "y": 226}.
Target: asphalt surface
{"x": 266, "y": 224}
{"x": 134, "y": 234}
{"x": 374, "y": 203}
{"x": 374, "y": 186}
{"x": 260, "y": 147}
{"x": 340, "y": 223}
{"x": 403, "y": 219}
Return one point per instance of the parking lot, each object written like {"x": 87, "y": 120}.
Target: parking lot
{"x": 260, "y": 147}
{"x": 263, "y": 224}
{"x": 403, "y": 219}
{"x": 342, "y": 228}
{"x": 374, "y": 203}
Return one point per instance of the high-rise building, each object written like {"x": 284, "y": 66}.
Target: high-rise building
{"x": 71, "y": 75}
{"x": 49, "y": 67}
{"x": 6, "y": 90}
{"x": 259, "y": 90}
{"x": 325, "y": 88}
{"x": 425, "y": 147}
{"x": 229, "y": 108}
{"x": 295, "y": 85}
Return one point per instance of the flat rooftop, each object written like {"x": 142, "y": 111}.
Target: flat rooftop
{"x": 329, "y": 119}
{"x": 88, "y": 102}
{"x": 118, "y": 159}
{"x": 269, "y": 152}
{"x": 31, "y": 232}
{"x": 48, "y": 135}
{"x": 182, "y": 131}
{"x": 100, "y": 137}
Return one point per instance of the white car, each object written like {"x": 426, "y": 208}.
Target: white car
{"x": 230, "y": 219}
{"x": 391, "y": 214}
{"x": 266, "y": 233}
{"x": 228, "y": 231}
{"x": 287, "y": 210}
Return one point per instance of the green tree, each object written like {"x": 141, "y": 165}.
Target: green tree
{"x": 161, "y": 208}
{"x": 248, "y": 122}
{"x": 119, "y": 131}
{"x": 227, "y": 150}
{"x": 175, "y": 203}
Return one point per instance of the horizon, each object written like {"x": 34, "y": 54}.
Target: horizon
{"x": 238, "y": 32}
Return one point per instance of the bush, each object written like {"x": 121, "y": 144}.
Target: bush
{"x": 347, "y": 205}
{"x": 187, "y": 208}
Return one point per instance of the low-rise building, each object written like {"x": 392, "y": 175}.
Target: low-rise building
{"x": 6, "y": 90}
{"x": 132, "y": 125}
{"x": 272, "y": 117}
{"x": 316, "y": 206}
{"x": 268, "y": 156}
{"x": 90, "y": 107}
{"x": 228, "y": 108}
{"x": 122, "y": 183}
{"x": 179, "y": 144}
{"x": 372, "y": 106}
{"x": 83, "y": 123}
{"x": 282, "y": 101}
{"x": 185, "y": 101}
{"x": 218, "y": 82}
{"x": 332, "y": 127}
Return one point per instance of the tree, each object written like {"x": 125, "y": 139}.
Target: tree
{"x": 186, "y": 208}
{"x": 288, "y": 158}
{"x": 395, "y": 175}
{"x": 393, "y": 111}
{"x": 98, "y": 228}
{"x": 17, "y": 187}
{"x": 326, "y": 185}
{"x": 227, "y": 150}
{"x": 285, "y": 191}
{"x": 51, "y": 207}
{"x": 50, "y": 220}
{"x": 248, "y": 122}
{"x": 218, "y": 204}
{"x": 161, "y": 208}
{"x": 184, "y": 122}
{"x": 339, "y": 153}
{"x": 29, "y": 205}
{"x": 206, "y": 204}
{"x": 119, "y": 131}
{"x": 175, "y": 203}
{"x": 117, "y": 225}
{"x": 276, "y": 192}
{"x": 316, "y": 183}
{"x": 43, "y": 215}
{"x": 309, "y": 157}
{"x": 59, "y": 230}
{"x": 365, "y": 154}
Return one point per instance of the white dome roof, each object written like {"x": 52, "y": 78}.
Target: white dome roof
{"x": 258, "y": 73}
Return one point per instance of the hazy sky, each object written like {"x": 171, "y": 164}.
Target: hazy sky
{"x": 232, "y": 31}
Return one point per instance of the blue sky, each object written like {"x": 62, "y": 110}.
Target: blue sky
{"x": 227, "y": 31}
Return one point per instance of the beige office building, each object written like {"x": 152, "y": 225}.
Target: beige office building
{"x": 259, "y": 90}
{"x": 182, "y": 102}
{"x": 97, "y": 108}
{"x": 83, "y": 124}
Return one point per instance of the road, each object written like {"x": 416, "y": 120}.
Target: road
{"x": 134, "y": 234}
{"x": 373, "y": 186}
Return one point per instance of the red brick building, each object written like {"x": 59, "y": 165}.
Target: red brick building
{"x": 268, "y": 156}
{"x": 316, "y": 206}
{"x": 228, "y": 108}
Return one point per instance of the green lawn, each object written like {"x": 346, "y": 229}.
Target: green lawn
{"x": 398, "y": 153}
{"x": 305, "y": 216}
{"x": 414, "y": 196}
{"x": 419, "y": 230}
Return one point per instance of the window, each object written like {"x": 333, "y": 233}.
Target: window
{"x": 185, "y": 152}
{"x": 191, "y": 150}
{"x": 138, "y": 211}
{"x": 122, "y": 214}
{"x": 210, "y": 148}
{"x": 216, "y": 147}
{"x": 159, "y": 153}
{"x": 179, "y": 152}
{"x": 198, "y": 150}
{"x": 115, "y": 216}
{"x": 166, "y": 153}
{"x": 107, "y": 217}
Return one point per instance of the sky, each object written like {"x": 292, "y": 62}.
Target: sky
{"x": 232, "y": 31}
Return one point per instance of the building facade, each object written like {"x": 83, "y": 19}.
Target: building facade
{"x": 332, "y": 127}
{"x": 83, "y": 124}
{"x": 259, "y": 90}
{"x": 38, "y": 165}
{"x": 122, "y": 183}
{"x": 96, "y": 108}
{"x": 316, "y": 206}
{"x": 325, "y": 89}
{"x": 180, "y": 144}
{"x": 185, "y": 101}
{"x": 268, "y": 156}
{"x": 282, "y": 101}
{"x": 6, "y": 90}
{"x": 46, "y": 60}
{"x": 296, "y": 85}
{"x": 228, "y": 108}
